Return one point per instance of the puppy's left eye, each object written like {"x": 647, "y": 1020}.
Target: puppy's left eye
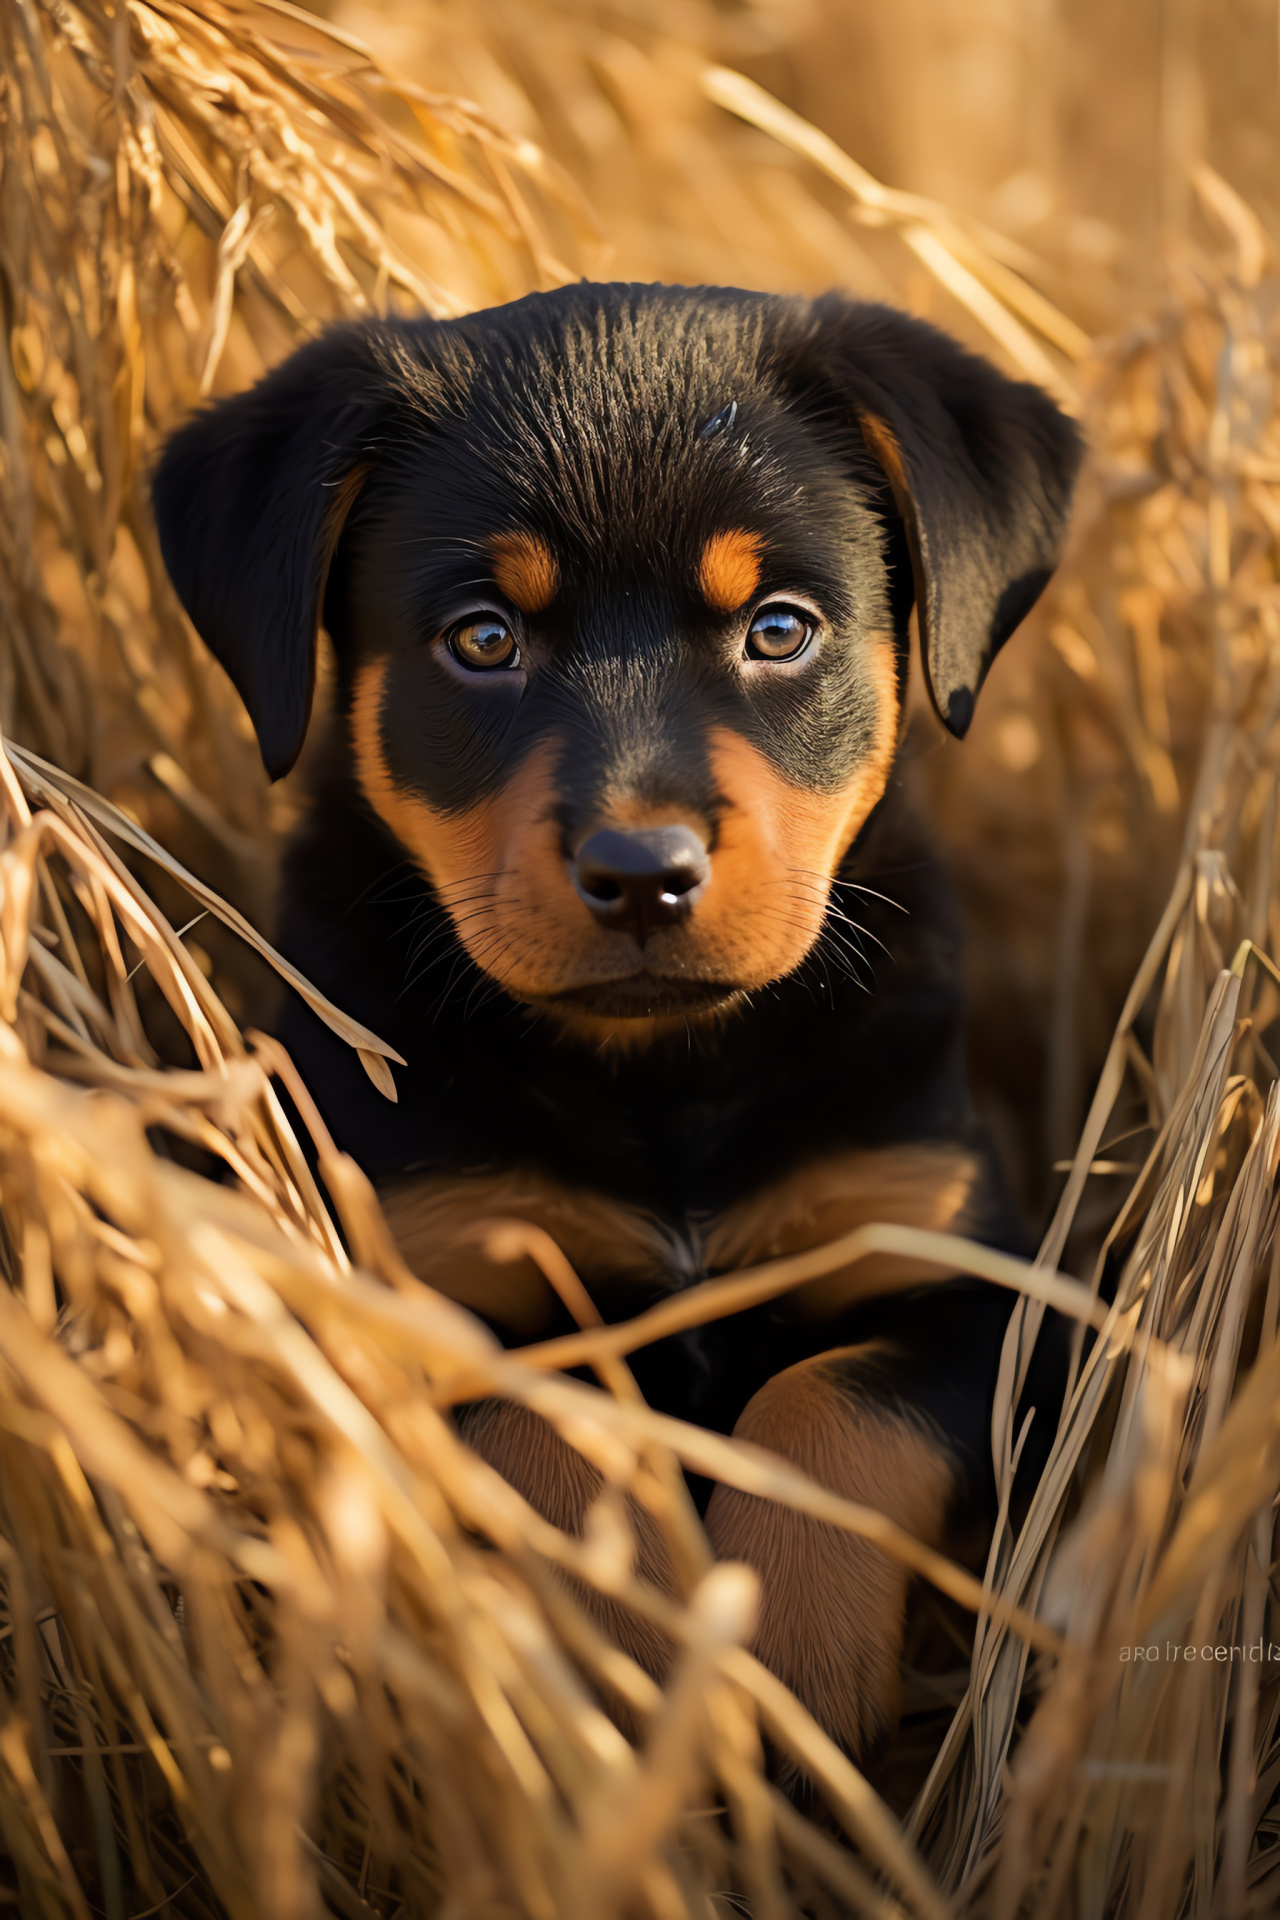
{"x": 779, "y": 633}
{"x": 481, "y": 645}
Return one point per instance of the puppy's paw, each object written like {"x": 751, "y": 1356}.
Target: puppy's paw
{"x": 832, "y": 1605}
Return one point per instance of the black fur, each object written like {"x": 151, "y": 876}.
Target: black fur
{"x": 626, "y": 425}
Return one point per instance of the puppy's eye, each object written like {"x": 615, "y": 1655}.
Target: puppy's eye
{"x": 779, "y": 633}
{"x": 483, "y": 644}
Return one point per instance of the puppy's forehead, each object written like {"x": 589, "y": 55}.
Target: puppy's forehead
{"x": 622, "y": 429}
{"x": 609, "y": 422}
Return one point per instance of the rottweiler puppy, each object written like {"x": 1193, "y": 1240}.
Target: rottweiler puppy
{"x": 606, "y": 839}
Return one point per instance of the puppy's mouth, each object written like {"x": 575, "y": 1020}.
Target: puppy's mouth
{"x": 640, "y": 996}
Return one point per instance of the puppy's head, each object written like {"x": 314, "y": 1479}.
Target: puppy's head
{"x": 618, "y": 580}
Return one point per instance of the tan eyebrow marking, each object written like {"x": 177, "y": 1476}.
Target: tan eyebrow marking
{"x": 729, "y": 570}
{"x": 525, "y": 568}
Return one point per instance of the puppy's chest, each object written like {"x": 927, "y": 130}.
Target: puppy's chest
{"x": 448, "y": 1228}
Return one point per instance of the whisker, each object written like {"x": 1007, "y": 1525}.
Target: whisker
{"x": 481, "y": 943}
{"x": 381, "y": 882}
{"x": 423, "y": 959}
{"x": 837, "y": 917}
{"x": 470, "y": 879}
{"x": 856, "y": 886}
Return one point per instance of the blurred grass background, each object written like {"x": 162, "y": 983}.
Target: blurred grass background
{"x": 1069, "y": 125}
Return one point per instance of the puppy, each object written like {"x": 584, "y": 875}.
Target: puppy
{"x": 606, "y": 840}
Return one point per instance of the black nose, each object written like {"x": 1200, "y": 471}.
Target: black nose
{"x": 637, "y": 882}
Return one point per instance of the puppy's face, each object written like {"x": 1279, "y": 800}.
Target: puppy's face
{"x": 622, "y": 674}
{"x": 618, "y": 581}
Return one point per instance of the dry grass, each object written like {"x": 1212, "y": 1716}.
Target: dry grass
{"x": 274, "y": 1642}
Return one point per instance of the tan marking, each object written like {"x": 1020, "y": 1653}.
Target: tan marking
{"x": 729, "y": 570}
{"x": 882, "y": 442}
{"x": 619, "y": 807}
{"x": 525, "y": 568}
{"x": 615, "y": 1034}
{"x": 776, "y": 852}
{"x": 924, "y": 1184}
{"x": 780, "y": 846}
{"x": 511, "y": 839}
{"x": 341, "y": 500}
{"x": 520, "y": 919}
{"x": 832, "y": 1606}
{"x": 621, "y": 1252}
{"x": 560, "y": 1485}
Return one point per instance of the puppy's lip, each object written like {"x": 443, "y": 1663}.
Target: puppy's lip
{"x": 641, "y": 995}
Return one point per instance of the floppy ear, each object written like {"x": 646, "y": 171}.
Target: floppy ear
{"x": 981, "y": 468}
{"x": 250, "y": 497}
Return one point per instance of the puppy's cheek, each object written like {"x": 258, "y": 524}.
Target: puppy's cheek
{"x": 449, "y": 847}
{"x": 497, "y": 865}
{"x": 780, "y": 846}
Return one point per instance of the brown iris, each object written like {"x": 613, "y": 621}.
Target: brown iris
{"x": 483, "y": 644}
{"x": 779, "y": 633}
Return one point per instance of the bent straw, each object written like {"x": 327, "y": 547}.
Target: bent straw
{"x": 751, "y": 1469}
{"x": 929, "y": 231}
{"x": 46, "y": 781}
{"x": 714, "y": 1299}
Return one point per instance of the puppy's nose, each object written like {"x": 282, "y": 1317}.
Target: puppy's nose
{"x": 638, "y": 882}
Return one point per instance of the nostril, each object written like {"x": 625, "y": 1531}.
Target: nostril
{"x": 601, "y": 886}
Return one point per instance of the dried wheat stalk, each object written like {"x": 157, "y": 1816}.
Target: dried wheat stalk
{"x": 274, "y": 1642}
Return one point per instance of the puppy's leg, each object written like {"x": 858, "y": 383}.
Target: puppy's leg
{"x": 833, "y": 1605}
{"x": 528, "y": 1452}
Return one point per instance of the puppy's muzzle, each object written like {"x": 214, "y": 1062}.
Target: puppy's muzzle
{"x": 639, "y": 882}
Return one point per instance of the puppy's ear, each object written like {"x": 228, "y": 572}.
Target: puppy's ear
{"x": 981, "y": 468}
{"x": 250, "y": 496}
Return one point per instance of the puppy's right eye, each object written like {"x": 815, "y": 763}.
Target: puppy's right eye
{"x": 484, "y": 644}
